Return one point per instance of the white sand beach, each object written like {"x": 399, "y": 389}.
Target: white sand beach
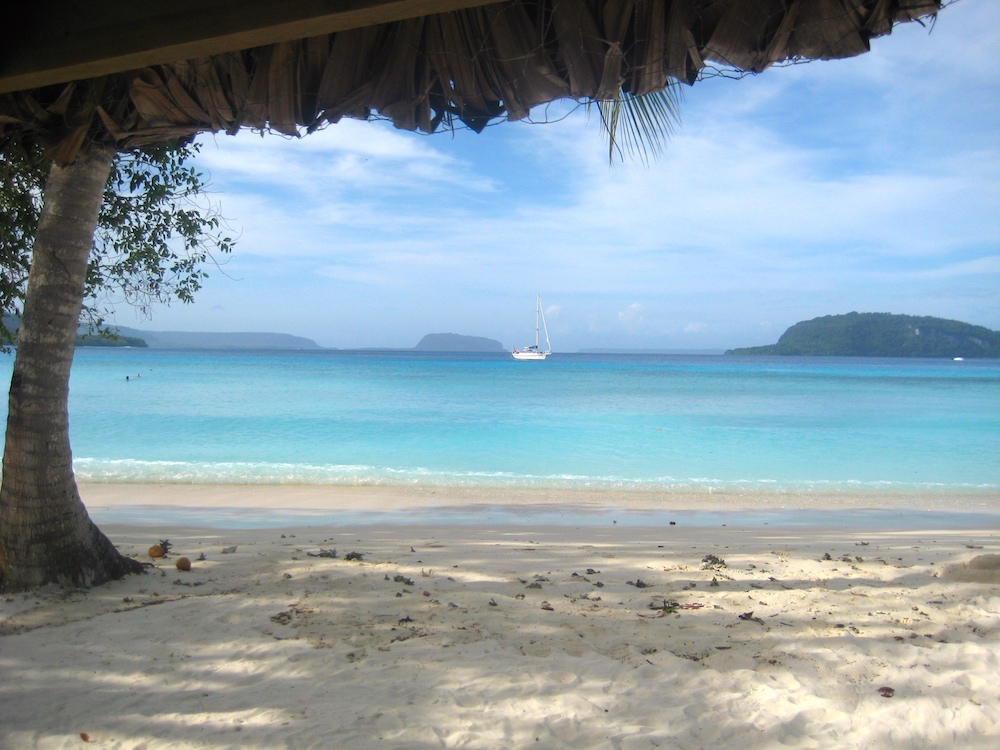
{"x": 479, "y": 636}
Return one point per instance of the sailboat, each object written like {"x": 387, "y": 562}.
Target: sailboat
{"x": 532, "y": 351}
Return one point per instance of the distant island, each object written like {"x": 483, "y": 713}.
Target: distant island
{"x": 883, "y": 335}
{"x": 132, "y": 337}
{"x": 199, "y": 340}
{"x": 92, "y": 339}
{"x": 84, "y": 337}
{"x": 454, "y": 342}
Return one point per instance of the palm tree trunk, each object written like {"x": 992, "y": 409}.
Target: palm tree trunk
{"x": 46, "y": 535}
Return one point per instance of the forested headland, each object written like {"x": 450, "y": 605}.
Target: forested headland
{"x": 883, "y": 335}
{"x": 116, "y": 341}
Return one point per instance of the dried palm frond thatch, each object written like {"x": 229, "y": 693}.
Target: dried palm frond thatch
{"x": 469, "y": 66}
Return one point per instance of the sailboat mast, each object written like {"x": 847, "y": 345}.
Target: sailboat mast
{"x": 538, "y": 312}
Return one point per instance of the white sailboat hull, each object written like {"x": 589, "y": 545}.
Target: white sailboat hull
{"x": 534, "y": 352}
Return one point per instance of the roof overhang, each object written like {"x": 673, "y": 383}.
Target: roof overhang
{"x": 132, "y": 74}
{"x": 55, "y": 41}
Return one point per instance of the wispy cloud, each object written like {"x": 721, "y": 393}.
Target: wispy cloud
{"x": 631, "y": 314}
{"x": 346, "y": 156}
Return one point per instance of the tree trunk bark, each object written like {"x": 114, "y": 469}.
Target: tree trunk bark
{"x": 46, "y": 535}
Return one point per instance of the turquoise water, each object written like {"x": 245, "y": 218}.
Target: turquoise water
{"x": 640, "y": 422}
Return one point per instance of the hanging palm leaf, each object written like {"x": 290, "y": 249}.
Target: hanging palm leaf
{"x": 640, "y": 125}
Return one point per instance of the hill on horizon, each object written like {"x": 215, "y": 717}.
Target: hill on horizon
{"x": 455, "y": 342}
{"x": 213, "y": 340}
{"x": 882, "y": 335}
{"x": 184, "y": 339}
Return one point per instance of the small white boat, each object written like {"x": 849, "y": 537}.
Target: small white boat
{"x": 959, "y": 359}
{"x": 532, "y": 351}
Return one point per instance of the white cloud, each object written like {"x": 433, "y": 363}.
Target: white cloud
{"x": 370, "y": 275}
{"x": 345, "y": 156}
{"x": 631, "y": 314}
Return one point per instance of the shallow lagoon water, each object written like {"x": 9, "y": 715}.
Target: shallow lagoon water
{"x": 631, "y": 422}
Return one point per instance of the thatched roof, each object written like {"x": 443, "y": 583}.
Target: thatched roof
{"x": 472, "y": 65}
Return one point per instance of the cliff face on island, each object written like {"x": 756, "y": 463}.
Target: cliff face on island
{"x": 883, "y": 335}
{"x": 454, "y": 342}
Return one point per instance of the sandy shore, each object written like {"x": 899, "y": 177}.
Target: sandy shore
{"x": 491, "y": 636}
{"x": 340, "y": 498}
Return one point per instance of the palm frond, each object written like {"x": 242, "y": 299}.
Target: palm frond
{"x": 640, "y": 125}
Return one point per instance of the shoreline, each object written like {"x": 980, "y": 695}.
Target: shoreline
{"x": 404, "y": 498}
{"x": 274, "y": 506}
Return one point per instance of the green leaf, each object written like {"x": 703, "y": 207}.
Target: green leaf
{"x": 640, "y": 125}
{"x": 156, "y": 229}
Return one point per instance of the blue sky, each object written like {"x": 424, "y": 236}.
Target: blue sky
{"x": 870, "y": 184}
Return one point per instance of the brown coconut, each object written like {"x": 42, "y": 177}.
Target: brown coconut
{"x": 157, "y": 551}
{"x": 183, "y": 563}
